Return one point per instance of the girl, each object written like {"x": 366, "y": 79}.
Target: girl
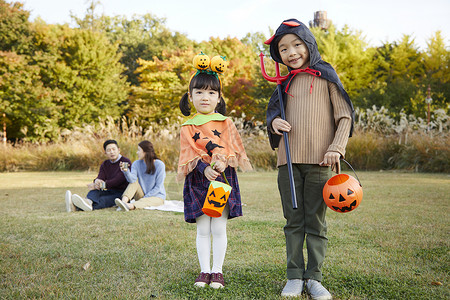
{"x": 209, "y": 138}
{"x": 146, "y": 180}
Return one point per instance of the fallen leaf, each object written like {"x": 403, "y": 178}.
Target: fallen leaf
{"x": 436, "y": 283}
{"x": 86, "y": 266}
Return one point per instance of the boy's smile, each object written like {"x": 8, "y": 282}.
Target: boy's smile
{"x": 293, "y": 52}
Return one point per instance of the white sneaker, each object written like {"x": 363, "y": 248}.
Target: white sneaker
{"x": 293, "y": 288}
{"x": 316, "y": 290}
{"x": 69, "y": 204}
{"x": 121, "y": 204}
{"x": 83, "y": 204}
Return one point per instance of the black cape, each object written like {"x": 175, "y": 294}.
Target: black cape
{"x": 327, "y": 71}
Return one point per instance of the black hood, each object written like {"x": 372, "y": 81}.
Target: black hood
{"x": 296, "y": 27}
{"x": 302, "y": 31}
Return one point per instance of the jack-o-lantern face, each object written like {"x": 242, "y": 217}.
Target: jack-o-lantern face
{"x": 216, "y": 198}
{"x": 201, "y": 61}
{"x": 219, "y": 64}
{"x": 342, "y": 193}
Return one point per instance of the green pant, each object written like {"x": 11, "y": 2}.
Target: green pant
{"x": 305, "y": 222}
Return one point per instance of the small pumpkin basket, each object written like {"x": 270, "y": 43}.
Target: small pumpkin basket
{"x": 343, "y": 193}
{"x": 216, "y": 197}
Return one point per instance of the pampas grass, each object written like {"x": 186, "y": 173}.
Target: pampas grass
{"x": 379, "y": 142}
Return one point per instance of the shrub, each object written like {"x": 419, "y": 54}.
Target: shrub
{"x": 378, "y": 143}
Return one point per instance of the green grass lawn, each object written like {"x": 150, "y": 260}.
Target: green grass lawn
{"x": 395, "y": 245}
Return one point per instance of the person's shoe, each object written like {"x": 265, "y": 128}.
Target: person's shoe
{"x": 217, "y": 281}
{"x": 69, "y": 204}
{"x": 121, "y": 204}
{"x": 293, "y": 288}
{"x": 316, "y": 290}
{"x": 202, "y": 280}
{"x": 83, "y": 204}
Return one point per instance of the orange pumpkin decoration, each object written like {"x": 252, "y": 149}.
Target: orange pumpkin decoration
{"x": 216, "y": 198}
{"x": 342, "y": 193}
{"x": 219, "y": 64}
{"x": 201, "y": 61}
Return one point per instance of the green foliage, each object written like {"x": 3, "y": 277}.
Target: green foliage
{"x": 15, "y": 31}
{"x": 349, "y": 54}
{"x": 27, "y": 103}
{"x": 137, "y": 67}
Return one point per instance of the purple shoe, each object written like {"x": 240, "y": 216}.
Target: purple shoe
{"x": 202, "y": 280}
{"x": 217, "y": 281}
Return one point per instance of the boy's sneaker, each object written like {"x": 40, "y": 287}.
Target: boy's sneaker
{"x": 293, "y": 288}
{"x": 122, "y": 205}
{"x": 202, "y": 280}
{"x": 317, "y": 291}
{"x": 69, "y": 204}
{"x": 217, "y": 281}
{"x": 83, "y": 204}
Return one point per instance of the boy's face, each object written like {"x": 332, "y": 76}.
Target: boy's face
{"x": 293, "y": 52}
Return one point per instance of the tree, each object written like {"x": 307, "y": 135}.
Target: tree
{"x": 15, "y": 32}
{"x": 349, "y": 54}
{"x": 436, "y": 60}
{"x": 398, "y": 72}
{"x": 28, "y": 105}
{"x": 162, "y": 84}
{"x": 141, "y": 37}
{"x": 88, "y": 72}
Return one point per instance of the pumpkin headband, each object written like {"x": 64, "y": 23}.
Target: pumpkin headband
{"x": 214, "y": 66}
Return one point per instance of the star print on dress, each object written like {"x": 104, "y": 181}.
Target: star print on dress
{"x": 196, "y": 136}
{"x": 216, "y": 133}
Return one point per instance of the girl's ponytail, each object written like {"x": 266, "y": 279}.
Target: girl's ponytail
{"x": 221, "y": 107}
{"x": 185, "y": 107}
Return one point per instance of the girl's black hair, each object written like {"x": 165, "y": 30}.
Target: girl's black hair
{"x": 149, "y": 157}
{"x": 203, "y": 81}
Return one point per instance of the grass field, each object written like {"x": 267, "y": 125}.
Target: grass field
{"x": 395, "y": 245}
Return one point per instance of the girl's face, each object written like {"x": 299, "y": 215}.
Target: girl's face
{"x": 204, "y": 100}
{"x": 140, "y": 153}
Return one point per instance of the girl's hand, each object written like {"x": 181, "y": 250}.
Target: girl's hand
{"x": 210, "y": 174}
{"x": 219, "y": 166}
{"x": 123, "y": 167}
{"x": 279, "y": 126}
{"x": 330, "y": 158}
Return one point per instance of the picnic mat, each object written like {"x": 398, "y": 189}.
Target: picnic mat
{"x": 169, "y": 205}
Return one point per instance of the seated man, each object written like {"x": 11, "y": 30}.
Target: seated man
{"x": 109, "y": 184}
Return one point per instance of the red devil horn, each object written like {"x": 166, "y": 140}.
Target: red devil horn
{"x": 291, "y": 23}
{"x": 269, "y": 40}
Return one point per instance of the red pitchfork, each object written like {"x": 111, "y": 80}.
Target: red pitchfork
{"x": 279, "y": 79}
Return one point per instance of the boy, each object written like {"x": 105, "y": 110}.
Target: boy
{"x": 319, "y": 120}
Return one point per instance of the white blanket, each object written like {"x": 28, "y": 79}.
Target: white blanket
{"x": 169, "y": 205}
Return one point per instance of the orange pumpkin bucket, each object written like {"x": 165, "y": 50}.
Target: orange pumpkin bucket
{"x": 216, "y": 198}
{"x": 343, "y": 193}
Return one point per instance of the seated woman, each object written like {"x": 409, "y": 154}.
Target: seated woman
{"x": 146, "y": 180}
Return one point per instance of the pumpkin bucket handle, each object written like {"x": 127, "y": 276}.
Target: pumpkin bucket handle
{"x": 348, "y": 164}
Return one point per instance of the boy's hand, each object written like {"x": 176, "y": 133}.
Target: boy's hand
{"x": 279, "y": 125}
{"x": 210, "y": 174}
{"x": 330, "y": 158}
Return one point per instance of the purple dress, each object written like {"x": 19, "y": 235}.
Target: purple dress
{"x": 196, "y": 186}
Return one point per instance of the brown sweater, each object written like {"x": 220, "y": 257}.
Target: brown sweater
{"x": 320, "y": 121}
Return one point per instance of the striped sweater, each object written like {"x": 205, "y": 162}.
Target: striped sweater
{"x": 320, "y": 120}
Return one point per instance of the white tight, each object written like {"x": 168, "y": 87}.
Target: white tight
{"x": 218, "y": 228}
